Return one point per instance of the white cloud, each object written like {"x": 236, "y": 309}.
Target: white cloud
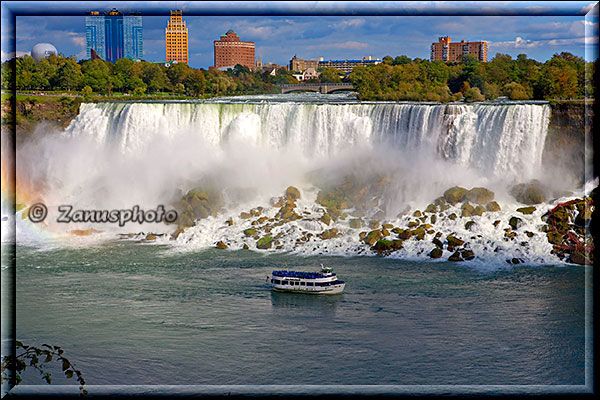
{"x": 520, "y": 43}
{"x": 348, "y": 23}
{"x": 8, "y": 55}
{"x": 588, "y": 8}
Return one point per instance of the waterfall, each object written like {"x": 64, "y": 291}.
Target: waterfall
{"x": 496, "y": 140}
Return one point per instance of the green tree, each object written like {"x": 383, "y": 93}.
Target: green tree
{"x": 96, "y": 75}
{"x": 154, "y": 76}
{"x": 8, "y": 74}
{"x": 473, "y": 94}
{"x": 388, "y": 60}
{"x": 25, "y": 68}
{"x": 330, "y": 75}
{"x": 69, "y": 75}
{"x": 87, "y": 91}
{"x": 195, "y": 83}
{"x": 177, "y": 73}
{"x": 401, "y": 60}
{"x": 515, "y": 91}
{"x": 38, "y": 358}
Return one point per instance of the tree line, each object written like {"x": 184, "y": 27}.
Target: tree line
{"x": 564, "y": 76}
{"x": 59, "y": 73}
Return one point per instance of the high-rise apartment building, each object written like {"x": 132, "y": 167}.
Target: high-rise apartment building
{"x": 445, "y": 50}
{"x": 114, "y": 35}
{"x": 349, "y": 65}
{"x": 230, "y": 51}
{"x": 176, "y": 38}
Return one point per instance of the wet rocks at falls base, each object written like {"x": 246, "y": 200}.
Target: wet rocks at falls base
{"x": 352, "y": 210}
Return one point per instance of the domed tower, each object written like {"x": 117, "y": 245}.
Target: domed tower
{"x": 42, "y": 50}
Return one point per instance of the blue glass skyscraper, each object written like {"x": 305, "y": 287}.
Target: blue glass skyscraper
{"x": 114, "y": 36}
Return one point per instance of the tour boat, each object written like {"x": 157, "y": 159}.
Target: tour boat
{"x": 324, "y": 282}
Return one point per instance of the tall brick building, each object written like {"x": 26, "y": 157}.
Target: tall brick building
{"x": 176, "y": 39}
{"x": 230, "y": 51}
{"x": 445, "y": 50}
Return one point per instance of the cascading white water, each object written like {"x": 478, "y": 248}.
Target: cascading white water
{"x": 496, "y": 140}
{"x": 116, "y": 155}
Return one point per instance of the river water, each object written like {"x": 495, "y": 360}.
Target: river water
{"x": 129, "y": 314}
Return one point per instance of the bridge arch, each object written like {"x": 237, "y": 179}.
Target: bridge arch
{"x": 324, "y": 88}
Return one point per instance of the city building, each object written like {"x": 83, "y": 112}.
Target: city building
{"x": 445, "y": 50}
{"x": 230, "y": 51}
{"x": 43, "y": 50}
{"x": 176, "y": 38}
{"x": 299, "y": 65}
{"x": 113, "y": 35}
{"x": 348, "y": 65}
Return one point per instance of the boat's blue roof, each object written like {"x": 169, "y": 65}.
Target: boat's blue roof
{"x": 297, "y": 274}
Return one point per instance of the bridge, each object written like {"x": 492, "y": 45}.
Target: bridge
{"x": 316, "y": 87}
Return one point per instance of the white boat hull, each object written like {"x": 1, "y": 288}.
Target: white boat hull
{"x": 334, "y": 289}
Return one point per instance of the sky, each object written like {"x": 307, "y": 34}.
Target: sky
{"x": 343, "y": 30}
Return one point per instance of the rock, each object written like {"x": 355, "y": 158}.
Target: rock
{"x": 509, "y": 234}
{"x": 362, "y": 235}
{"x": 526, "y": 210}
{"x": 440, "y": 201}
{"x": 372, "y": 237}
{"x": 221, "y": 245}
{"x": 496, "y": 223}
{"x": 515, "y": 222}
{"x": 438, "y": 243}
{"x": 384, "y": 247}
{"x": 326, "y": 219}
{"x": 355, "y": 223}
{"x": 329, "y": 234}
{"x": 436, "y": 253}
{"x": 292, "y": 193}
{"x": 467, "y": 209}
{"x": 277, "y": 202}
{"x": 554, "y": 237}
{"x": 419, "y": 233}
{"x": 413, "y": 224}
{"x": 245, "y": 215}
{"x": 532, "y": 192}
{"x": 417, "y": 214}
{"x": 467, "y": 254}
{"x": 479, "y": 210}
{"x": 387, "y": 226}
{"x": 245, "y": 246}
{"x": 385, "y": 232}
{"x": 433, "y": 219}
{"x": 452, "y": 216}
{"x": 581, "y": 258}
{"x": 177, "y": 232}
{"x": 454, "y": 241}
{"x": 469, "y": 225}
{"x": 455, "y": 194}
{"x": 479, "y": 195}
{"x": 185, "y": 220}
{"x": 431, "y": 208}
{"x": 151, "y": 236}
{"x": 529, "y": 234}
{"x": 492, "y": 206}
{"x": 374, "y": 224}
{"x": 264, "y": 242}
{"x": 229, "y": 222}
{"x": 455, "y": 257}
{"x": 250, "y": 232}
{"x": 405, "y": 234}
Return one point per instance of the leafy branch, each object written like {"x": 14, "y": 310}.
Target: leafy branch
{"x": 39, "y": 358}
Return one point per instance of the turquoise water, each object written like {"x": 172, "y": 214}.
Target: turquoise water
{"x": 146, "y": 314}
